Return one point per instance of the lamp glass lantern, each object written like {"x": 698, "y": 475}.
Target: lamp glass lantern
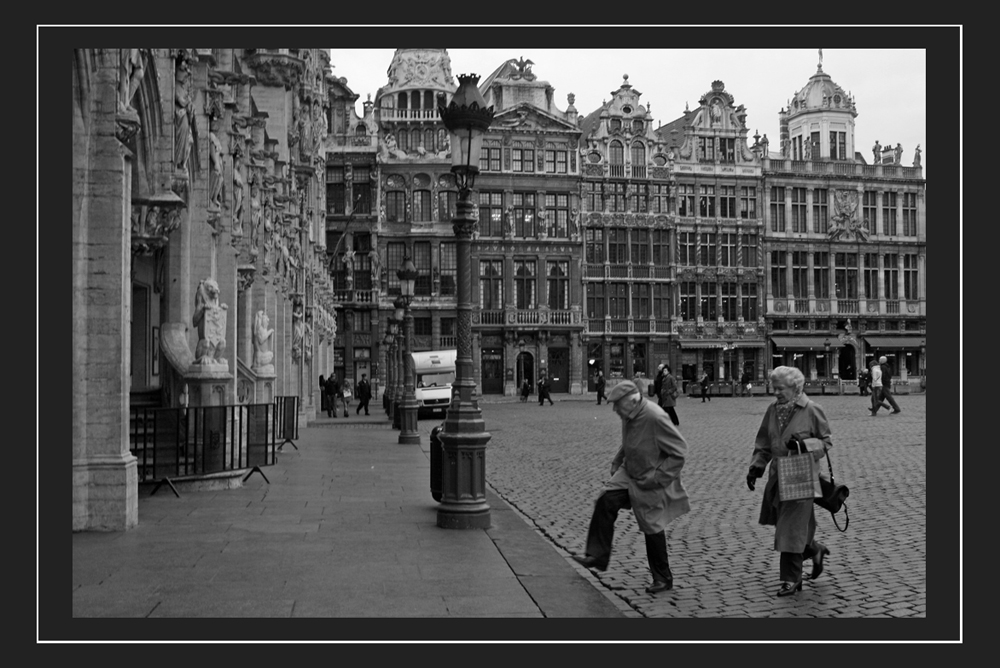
{"x": 399, "y": 304}
{"x": 407, "y": 274}
{"x": 467, "y": 118}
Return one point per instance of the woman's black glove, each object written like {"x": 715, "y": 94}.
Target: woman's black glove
{"x": 796, "y": 444}
{"x": 752, "y": 476}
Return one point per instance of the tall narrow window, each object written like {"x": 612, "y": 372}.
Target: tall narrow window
{"x": 422, "y": 261}
{"x": 524, "y": 215}
{"x": 594, "y": 245}
{"x": 395, "y": 206}
{"x": 870, "y": 271}
{"x": 638, "y": 198}
{"x": 489, "y": 157}
{"x": 798, "y": 209}
{"x": 524, "y": 284}
{"x": 557, "y": 214}
{"x": 727, "y": 249}
{"x": 658, "y": 198}
{"x": 688, "y": 305}
{"x": 617, "y": 245}
{"x": 686, "y": 248}
{"x": 491, "y": 285}
{"x": 618, "y": 301}
{"x": 447, "y": 205}
{"x": 595, "y": 300}
{"x": 593, "y": 200}
{"x": 727, "y": 150}
{"x": 748, "y": 202}
{"x": 616, "y": 159}
{"x": 800, "y": 273}
{"x": 749, "y": 301}
{"x": 362, "y": 261}
{"x": 706, "y": 201}
{"x": 709, "y": 310}
{"x": 749, "y": 250}
{"x": 335, "y": 190}
{"x": 638, "y": 159}
{"x": 890, "y": 269}
{"x": 490, "y": 213}
{"x": 706, "y": 147}
{"x": 449, "y": 269}
{"x": 910, "y": 214}
{"x": 614, "y": 196}
{"x": 777, "y": 209}
{"x": 910, "y": 287}
{"x": 640, "y": 246}
{"x": 421, "y": 206}
{"x": 727, "y": 202}
{"x": 889, "y": 214}
{"x": 869, "y": 208}
{"x": 394, "y": 252}
{"x": 728, "y": 300}
{"x": 708, "y": 250}
{"x": 821, "y": 211}
{"x": 661, "y": 248}
{"x": 640, "y": 301}
{"x": 558, "y": 284}
{"x": 846, "y": 275}
{"x": 685, "y": 200}
{"x": 779, "y": 273}
{"x": 821, "y": 274}
{"x": 661, "y": 301}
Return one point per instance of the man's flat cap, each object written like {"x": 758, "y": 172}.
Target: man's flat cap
{"x": 622, "y": 389}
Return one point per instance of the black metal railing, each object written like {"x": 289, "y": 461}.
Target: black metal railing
{"x": 174, "y": 443}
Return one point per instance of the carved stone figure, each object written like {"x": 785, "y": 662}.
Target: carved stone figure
{"x": 575, "y": 221}
{"x": 376, "y": 262}
{"x": 298, "y": 330}
{"x": 210, "y": 319}
{"x": 716, "y": 112}
{"x": 877, "y": 151}
{"x": 132, "y": 70}
{"x": 307, "y": 340}
{"x": 916, "y": 156}
{"x": 183, "y": 114}
{"x": 238, "y": 187}
{"x": 262, "y": 333}
{"x": 508, "y": 217}
{"x": 807, "y": 149}
{"x": 256, "y": 211}
{"x": 898, "y": 154}
{"x": 215, "y": 171}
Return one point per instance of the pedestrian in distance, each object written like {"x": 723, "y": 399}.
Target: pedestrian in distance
{"x": 876, "y": 375}
{"x": 331, "y": 388}
{"x": 667, "y": 395}
{"x": 525, "y": 390}
{"x": 746, "y": 385}
{"x": 543, "y": 390}
{"x": 704, "y": 381}
{"x": 322, "y": 394}
{"x": 363, "y": 390}
{"x": 887, "y": 395}
{"x": 646, "y": 478}
{"x": 658, "y": 381}
{"x": 599, "y": 384}
{"x": 863, "y": 379}
{"x": 793, "y": 423}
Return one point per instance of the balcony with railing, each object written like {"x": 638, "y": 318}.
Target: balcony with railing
{"x": 388, "y": 114}
{"x": 892, "y": 306}
{"x": 847, "y": 306}
{"x": 638, "y": 171}
{"x": 802, "y": 306}
{"x": 844, "y": 168}
{"x": 616, "y": 171}
{"x": 356, "y": 296}
{"x": 446, "y": 342}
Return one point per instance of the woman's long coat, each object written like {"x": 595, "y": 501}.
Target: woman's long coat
{"x": 652, "y": 455}
{"x": 793, "y": 520}
{"x": 667, "y": 387}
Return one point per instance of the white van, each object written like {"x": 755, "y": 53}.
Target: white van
{"x": 435, "y": 373}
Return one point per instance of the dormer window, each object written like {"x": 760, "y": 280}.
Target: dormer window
{"x": 615, "y": 125}
{"x": 637, "y": 125}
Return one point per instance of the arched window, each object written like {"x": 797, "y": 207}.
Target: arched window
{"x": 403, "y": 101}
{"x": 638, "y": 154}
{"x": 361, "y": 129}
{"x": 616, "y": 153}
{"x": 429, "y": 140}
{"x": 415, "y": 99}
{"x": 403, "y": 140}
{"x": 428, "y": 99}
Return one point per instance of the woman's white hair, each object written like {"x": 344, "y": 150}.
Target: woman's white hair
{"x": 790, "y": 376}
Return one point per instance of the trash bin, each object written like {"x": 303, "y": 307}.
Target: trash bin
{"x": 436, "y": 457}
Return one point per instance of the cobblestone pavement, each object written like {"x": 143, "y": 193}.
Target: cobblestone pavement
{"x": 550, "y": 463}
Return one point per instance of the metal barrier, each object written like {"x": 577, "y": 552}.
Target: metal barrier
{"x": 287, "y": 420}
{"x": 174, "y": 443}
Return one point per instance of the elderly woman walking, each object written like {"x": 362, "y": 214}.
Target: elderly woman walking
{"x": 792, "y": 423}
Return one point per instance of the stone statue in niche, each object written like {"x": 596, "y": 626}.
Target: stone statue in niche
{"x": 210, "y": 319}
{"x": 183, "y": 114}
{"x": 215, "y": 181}
{"x": 262, "y": 333}
{"x": 238, "y": 187}
{"x": 132, "y": 71}
{"x": 376, "y": 262}
{"x": 298, "y": 330}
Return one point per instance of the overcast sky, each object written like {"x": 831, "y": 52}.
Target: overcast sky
{"x": 888, "y": 85}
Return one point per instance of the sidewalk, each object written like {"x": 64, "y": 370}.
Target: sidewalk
{"x": 346, "y": 527}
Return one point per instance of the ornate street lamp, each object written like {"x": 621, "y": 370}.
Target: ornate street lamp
{"x": 826, "y": 346}
{"x": 407, "y": 274}
{"x": 399, "y": 306}
{"x": 387, "y": 342}
{"x": 464, "y": 436}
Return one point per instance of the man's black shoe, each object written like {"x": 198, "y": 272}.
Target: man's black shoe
{"x": 659, "y": 586}
{"x": 896, "y": 411}
{"x": 590, "y": 562}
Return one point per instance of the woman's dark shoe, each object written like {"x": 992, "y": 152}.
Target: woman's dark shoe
{"x": 818, "y": 562}
{"x": 789, "y": 588}
{"x": 590, "y": 562}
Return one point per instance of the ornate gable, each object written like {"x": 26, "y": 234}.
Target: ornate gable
{"x": 527, "y": 118}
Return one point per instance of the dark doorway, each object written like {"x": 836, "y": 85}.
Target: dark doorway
{"x": 559, "y": 369}
{"x": 492, "y": 370}
{"x": 139, "y": 365}
{"x": 525, "y": 369}
{"x": 846, "y": 363}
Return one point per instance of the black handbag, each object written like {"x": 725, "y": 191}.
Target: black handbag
{"x": 834, "y": 496}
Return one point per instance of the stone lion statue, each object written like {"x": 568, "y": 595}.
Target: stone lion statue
{"x": 210, "y": 319}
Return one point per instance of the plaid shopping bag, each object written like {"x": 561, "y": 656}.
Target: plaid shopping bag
{"x": 798, "y": 477}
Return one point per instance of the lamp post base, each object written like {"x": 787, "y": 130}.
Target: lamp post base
{"x": 449, "y": 517}
{"x": 463, "y": 472}
{"x": 408, "y": 422}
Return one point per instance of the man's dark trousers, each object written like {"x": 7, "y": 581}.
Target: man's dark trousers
{"x": 362, "y": 403}
{"x": 887, "y": 396}
{"x": 601, "y": 533}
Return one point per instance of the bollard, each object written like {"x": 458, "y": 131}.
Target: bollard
{"x": 436, "y": 459}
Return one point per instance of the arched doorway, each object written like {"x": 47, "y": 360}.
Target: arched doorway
{"x": 525, "y": 368}
{"x": 846, "y": 365}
